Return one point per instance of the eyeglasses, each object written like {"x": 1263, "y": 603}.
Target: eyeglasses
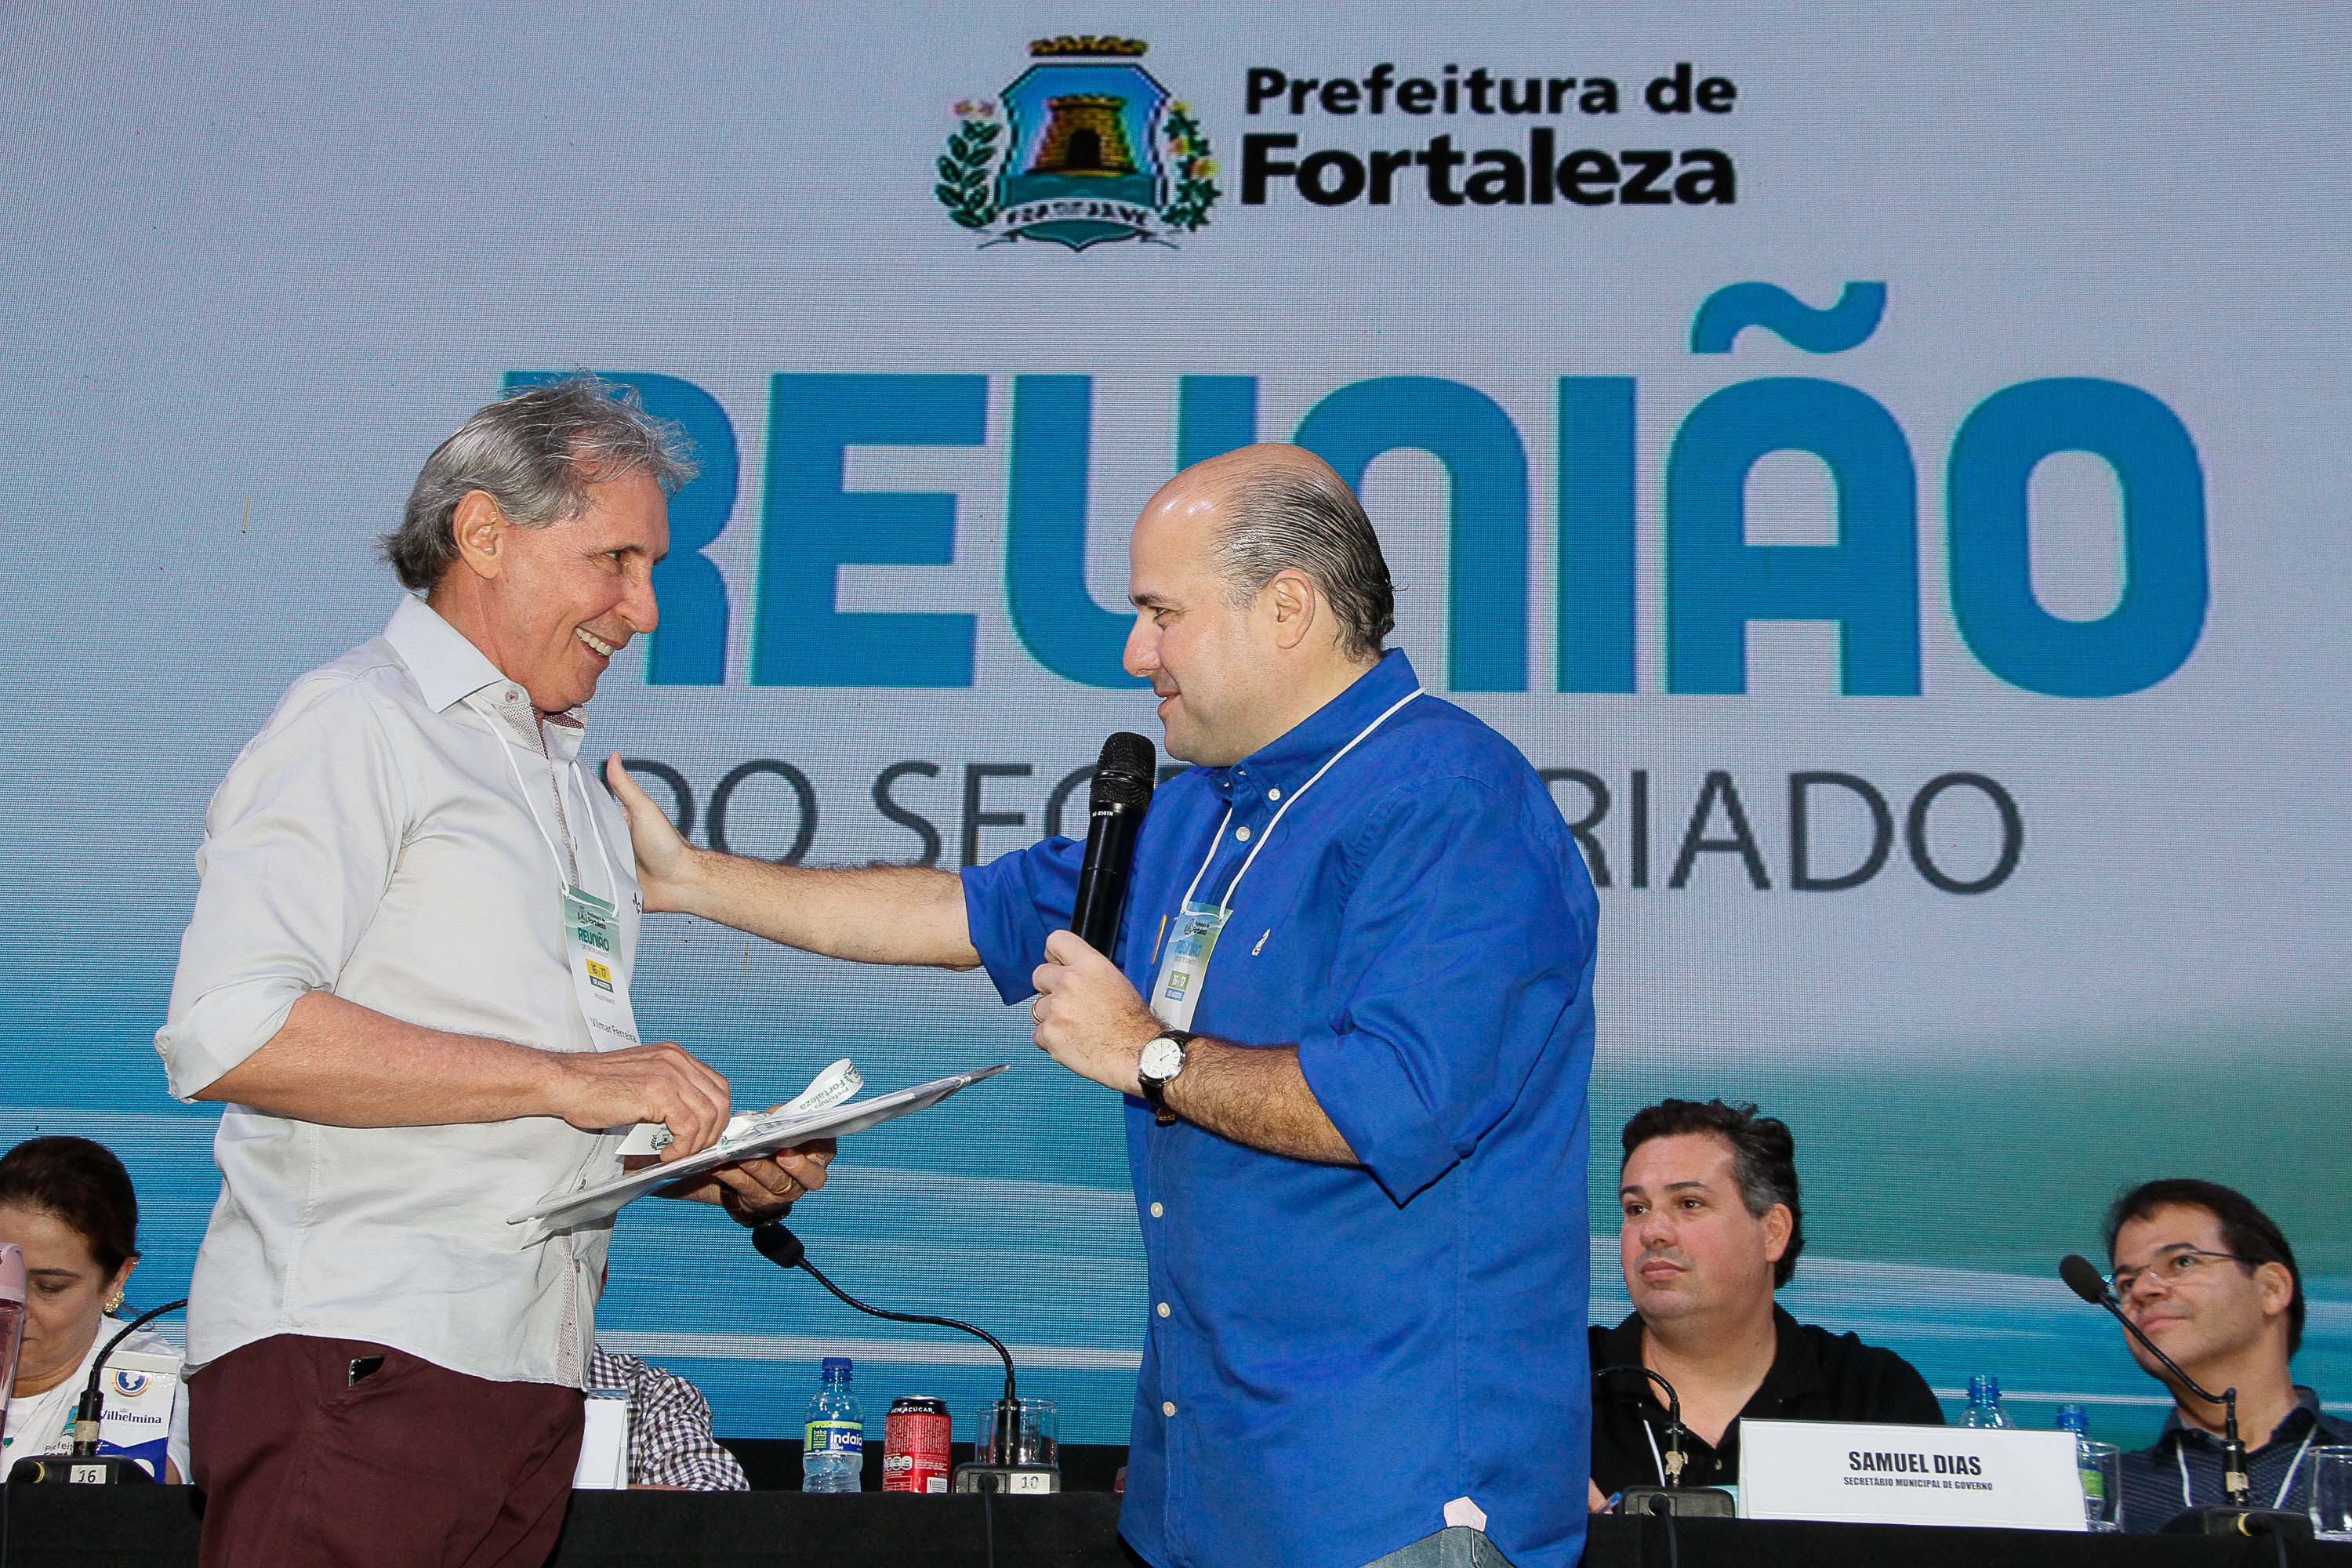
{"x": 2173, "y": 1267}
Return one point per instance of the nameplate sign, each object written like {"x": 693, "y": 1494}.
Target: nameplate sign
{"x": 1850, "y": 1473}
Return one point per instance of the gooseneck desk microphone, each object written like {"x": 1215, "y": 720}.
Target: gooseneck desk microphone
{"x": 2239, "y": 1516}
{"x": 1673, "y": 1498}
{"x": 786, "y": 1250}
{"x": 85, "y": 1465}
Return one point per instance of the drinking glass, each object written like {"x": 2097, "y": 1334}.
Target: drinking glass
{"x": 2331, "y": 1493}
{"x": 1025, "y": 1431}
{"x": 2102, "y": 1465}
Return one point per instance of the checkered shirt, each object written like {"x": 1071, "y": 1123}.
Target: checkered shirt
{"x": 670, "y": 1443}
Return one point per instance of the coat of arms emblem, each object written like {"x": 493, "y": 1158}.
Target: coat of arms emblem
{"x": 1083, "y": 148}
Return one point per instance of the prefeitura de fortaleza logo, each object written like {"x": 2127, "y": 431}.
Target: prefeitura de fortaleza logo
{"x": 1083, "y": 148}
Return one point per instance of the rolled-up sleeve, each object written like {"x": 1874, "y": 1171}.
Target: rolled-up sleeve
{"x": 1468, "y": 936}
{"x": 1014, "y": 903}
{"x": 299, "y": 844}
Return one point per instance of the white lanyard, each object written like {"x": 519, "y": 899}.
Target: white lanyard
{"x": 555, "y": 778}
{"x": 2284, "y": 1486}
{"x": 1226, "y": 905}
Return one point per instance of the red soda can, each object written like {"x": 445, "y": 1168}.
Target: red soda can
{"x": 914, "y": 1437}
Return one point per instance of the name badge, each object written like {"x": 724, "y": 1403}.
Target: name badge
{"x": 1184, "y": 964}
{"x": 591, "y": 949}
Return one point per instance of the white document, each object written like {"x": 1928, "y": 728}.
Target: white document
{"x": 1851, "y": 1473}
{"x": 757, "y": 1135}
{"x": 603, "y": 1442}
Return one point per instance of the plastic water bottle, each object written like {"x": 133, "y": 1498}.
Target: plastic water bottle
{"x": 1984, "y": 1403}
{"x": 2075, "y": 1419}
{"x": 833, "y": 1444}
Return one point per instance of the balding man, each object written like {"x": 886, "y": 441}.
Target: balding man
{"x": 1355, "y": 1099}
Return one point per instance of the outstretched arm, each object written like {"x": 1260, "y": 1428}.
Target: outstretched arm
{"x": 877, "y": 914}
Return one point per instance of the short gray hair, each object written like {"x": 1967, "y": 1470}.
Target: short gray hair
{"x": 1307, "y": 520}
{"x": 535, "y": 451}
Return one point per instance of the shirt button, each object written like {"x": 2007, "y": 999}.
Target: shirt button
{"x": 1157, "y": 1211}
{"x": 1242, "y": 834}
{"x": 1274, "y": 794}
{"x": 1163, "y": 1309}
{"x": 1167, "y": 1407}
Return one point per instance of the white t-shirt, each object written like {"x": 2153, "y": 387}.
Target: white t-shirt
{"x": 37, "y": 1423}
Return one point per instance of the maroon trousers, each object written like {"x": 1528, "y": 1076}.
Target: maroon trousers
{"x": 307, "y": 1453}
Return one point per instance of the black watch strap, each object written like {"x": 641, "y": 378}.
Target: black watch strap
{"x": 1155, "y": 1093}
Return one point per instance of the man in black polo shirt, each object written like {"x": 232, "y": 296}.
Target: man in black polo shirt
{"x": 1711, "y": 1227}
{"x": 2209, "y": 1276}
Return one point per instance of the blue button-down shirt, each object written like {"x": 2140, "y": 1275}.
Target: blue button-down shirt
{"x": 1336, "y": 1353}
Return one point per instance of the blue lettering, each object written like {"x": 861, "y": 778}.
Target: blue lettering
{"x": 1868, "y": 581}
{"x": 1596, "y": 533}
{"x": 1486, "y": 601}
{"x": 1046, "y": 531}
{"x": 2155, "y": 624}
{"x": 813, "y": 526}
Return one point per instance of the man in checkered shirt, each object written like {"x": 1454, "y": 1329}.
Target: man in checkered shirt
{"x": 670, "y": 1445}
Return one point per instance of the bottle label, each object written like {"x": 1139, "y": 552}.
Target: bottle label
{"x": 835, "y": 1437}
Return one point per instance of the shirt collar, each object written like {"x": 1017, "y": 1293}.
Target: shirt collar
{"x": 447, "y": 669}
{"x": 1794, "y": 1369}
{"x": 2305, "y": 1415}
{"x": 445, "y": 664}
{"x": 1290, "y": 759}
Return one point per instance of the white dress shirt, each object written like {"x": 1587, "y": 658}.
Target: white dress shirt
{"x": 373, "y": 841}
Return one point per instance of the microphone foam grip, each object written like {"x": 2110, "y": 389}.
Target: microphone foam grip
{"x": 778, "y": 1245}
{"x": 2082, "y": 1278}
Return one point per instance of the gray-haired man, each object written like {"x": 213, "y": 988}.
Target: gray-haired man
{"x": 407, "y": 979}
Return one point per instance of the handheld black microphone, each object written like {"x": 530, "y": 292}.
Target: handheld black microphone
{"x": 1124, "y": 778}
{"x": 1670, "y": 1498}
{"x": 780, "y": 1246}
{"x": 84, "y": 1466}
{"x": 2239, "y": 1516}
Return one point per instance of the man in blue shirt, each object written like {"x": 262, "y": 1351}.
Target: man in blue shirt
{"x": 2210, "y": 1278}
{"x": 1355, "y": 1100}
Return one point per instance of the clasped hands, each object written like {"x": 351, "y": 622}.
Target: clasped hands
{"x": 1088, "y": 1015}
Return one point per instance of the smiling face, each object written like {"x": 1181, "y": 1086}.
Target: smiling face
{"x": 1208, "y": 659}
{"x": 2212, "y": 1316}
{"x": 1689, "y": 1247}
{"x": 66, "y": 1294}
{"x": 550, "y": 606}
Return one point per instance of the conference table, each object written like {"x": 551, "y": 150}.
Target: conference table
{"x": 150, "y": 1527}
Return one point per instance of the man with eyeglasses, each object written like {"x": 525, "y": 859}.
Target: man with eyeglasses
{"x": 2210, "y": 1278}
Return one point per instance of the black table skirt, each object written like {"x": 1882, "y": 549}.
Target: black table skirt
{"x": 149, "y": 1526}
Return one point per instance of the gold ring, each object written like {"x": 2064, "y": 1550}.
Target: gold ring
{"x": 1033, "y": 1010}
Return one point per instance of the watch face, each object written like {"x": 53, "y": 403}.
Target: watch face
{"x": 1162, "y": 1058}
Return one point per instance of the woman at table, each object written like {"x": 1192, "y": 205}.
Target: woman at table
{"x": 70, "y": 1205}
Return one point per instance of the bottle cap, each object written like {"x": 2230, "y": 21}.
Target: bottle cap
{"x": 836, "y": 1363}
{"x": 1984, "y": 1389}
{"x": 2073, "y": 1419}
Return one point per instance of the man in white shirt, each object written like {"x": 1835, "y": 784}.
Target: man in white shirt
{"x": 407, "y": 980}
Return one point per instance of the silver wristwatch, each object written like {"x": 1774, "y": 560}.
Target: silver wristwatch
{"x": 1162, "y": 1059}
